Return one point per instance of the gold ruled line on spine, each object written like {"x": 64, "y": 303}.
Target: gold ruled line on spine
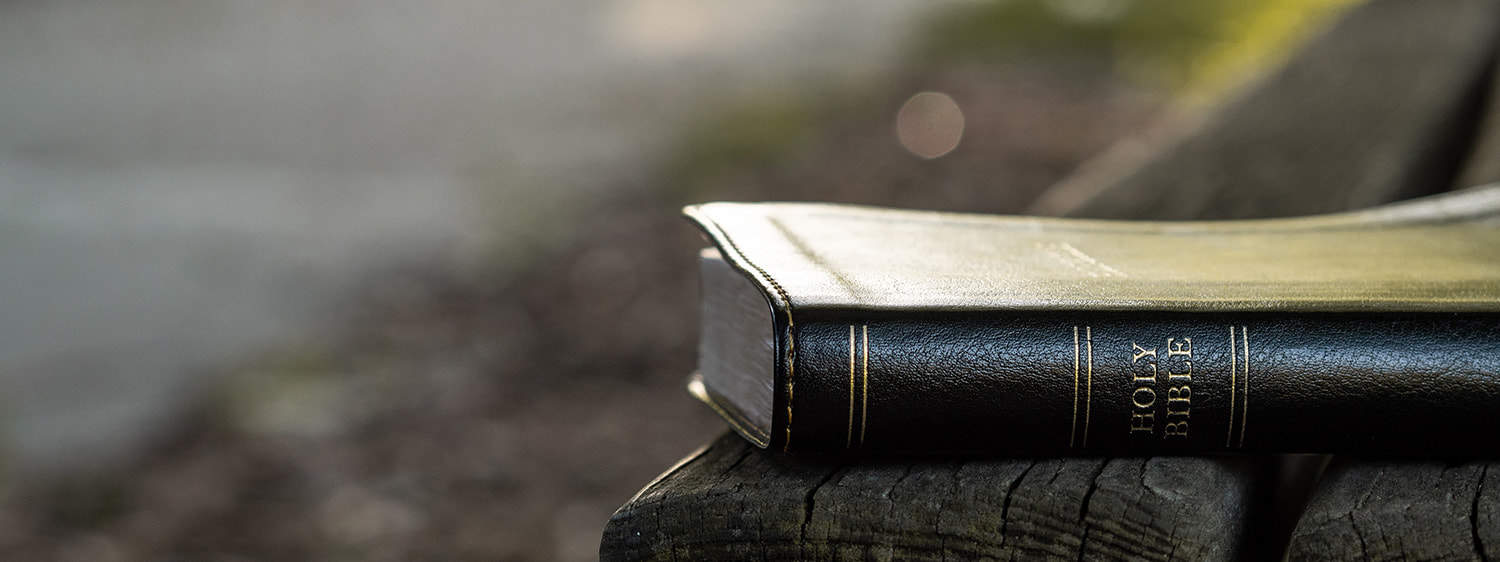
{"x": 1073, "y": 435}
{"x": 849, "y": 438}
{"x": 1088, "y": 396}
{"x": 1245, "y": 408}
{"x": 864, "y": 386}
{"x": 1229, "y": 435}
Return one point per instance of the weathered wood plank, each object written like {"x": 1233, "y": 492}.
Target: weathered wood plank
{"x": 735, "y": 501}
{"x": 1381, "y": 510}
{"x": 1381, "y": 107}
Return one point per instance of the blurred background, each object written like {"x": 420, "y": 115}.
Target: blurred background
{"x": 392, "y": 280}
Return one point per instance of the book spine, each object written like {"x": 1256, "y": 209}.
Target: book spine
{"x": 1133, "y": 383}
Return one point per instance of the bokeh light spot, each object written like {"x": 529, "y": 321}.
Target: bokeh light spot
{"x": 930, "y": 124}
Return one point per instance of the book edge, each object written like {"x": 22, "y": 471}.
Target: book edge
{"x": 783, "y": 326}
{"x": 737, "y": 421}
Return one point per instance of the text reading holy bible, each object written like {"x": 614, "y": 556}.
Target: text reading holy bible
{"x": 1161, "y": 386}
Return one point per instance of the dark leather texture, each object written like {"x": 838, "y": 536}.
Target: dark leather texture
{"x": 1157, "y": 383}
{"x": 1369, "y": 332}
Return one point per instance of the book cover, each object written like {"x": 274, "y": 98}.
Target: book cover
{"x": 833, "y": 328}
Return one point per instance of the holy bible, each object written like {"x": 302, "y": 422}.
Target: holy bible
{"x": 831, "y": 328}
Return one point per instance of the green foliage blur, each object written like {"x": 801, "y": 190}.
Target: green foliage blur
{"x": 1196, "y": 50}
{"x": 1199, "y": 47}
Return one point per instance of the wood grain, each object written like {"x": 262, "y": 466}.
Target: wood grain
{"x": 733, "y": 501}
{"x": 1419, "y": 510}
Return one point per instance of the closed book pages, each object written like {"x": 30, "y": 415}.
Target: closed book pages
{"x": 832, "y": 328}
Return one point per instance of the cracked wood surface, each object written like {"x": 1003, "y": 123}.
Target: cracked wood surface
{"x": 733, "y": 501}
{"x": 1419, "y": 510}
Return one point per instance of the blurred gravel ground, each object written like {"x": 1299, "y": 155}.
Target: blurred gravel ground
{"x": 504, "y": 418}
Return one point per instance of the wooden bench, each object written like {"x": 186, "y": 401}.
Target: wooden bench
{"x": 1391, "y": 102}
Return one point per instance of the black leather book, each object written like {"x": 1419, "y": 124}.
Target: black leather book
{"x": 830, "y": 328}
